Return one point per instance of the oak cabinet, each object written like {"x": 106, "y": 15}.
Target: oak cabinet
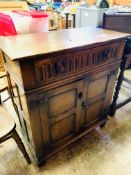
{"x": 64, "y": 83}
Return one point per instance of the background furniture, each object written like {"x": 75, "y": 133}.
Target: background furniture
{"x": 7, "y": 131}
{"x": 4, "y": 85}
{"x": 86, "y": 16}
{"x": 5, "y": 88}
{"x": 10, "y": 5}
{"x": 121, "y": 23}
{"x": 56, "y": 79}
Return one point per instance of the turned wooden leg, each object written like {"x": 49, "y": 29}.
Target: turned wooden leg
{"x": 113, "y": 106}
{"x": 21, "y": 145}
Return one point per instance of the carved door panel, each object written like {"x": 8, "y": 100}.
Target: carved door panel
{"x": 96, "y": 95}
{"x": 60, "y": 112}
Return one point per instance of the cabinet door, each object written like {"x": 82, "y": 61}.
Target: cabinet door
{"x": 60, "y": 112}
{"x": 98, "y": 93}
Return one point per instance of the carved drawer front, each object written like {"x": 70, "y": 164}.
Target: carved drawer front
{"x": 95, "y": 97}
{"x": 64, "y": 66}
{"x": 60, "y": 112}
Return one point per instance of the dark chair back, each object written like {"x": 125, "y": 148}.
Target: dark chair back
{"x": 120, "y": 22}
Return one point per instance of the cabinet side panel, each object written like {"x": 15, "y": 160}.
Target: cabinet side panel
{"x": 13, "y": 69}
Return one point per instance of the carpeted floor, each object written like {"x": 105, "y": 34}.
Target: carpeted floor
{"x": 104, "y": 151}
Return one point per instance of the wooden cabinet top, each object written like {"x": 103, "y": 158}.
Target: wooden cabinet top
{"x": 57, "y": 42}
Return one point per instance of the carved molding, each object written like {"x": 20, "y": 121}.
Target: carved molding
{"x": 65, "y": 65}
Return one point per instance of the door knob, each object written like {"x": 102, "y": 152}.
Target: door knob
{"x": 80, "y": 95}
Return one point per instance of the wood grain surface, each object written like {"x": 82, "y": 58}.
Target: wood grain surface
{"x": 28, "y": 45}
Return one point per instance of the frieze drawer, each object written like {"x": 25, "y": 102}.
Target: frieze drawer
{"x": 64, "y": 66}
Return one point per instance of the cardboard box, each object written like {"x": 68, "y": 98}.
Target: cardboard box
{"x": 14, "y": 5}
